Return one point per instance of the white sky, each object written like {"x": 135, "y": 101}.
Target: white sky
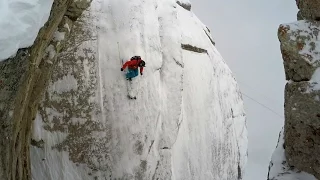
{"x": 245, "y": 33}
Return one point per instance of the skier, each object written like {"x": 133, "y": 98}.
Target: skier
{"x": 133, "y": 65}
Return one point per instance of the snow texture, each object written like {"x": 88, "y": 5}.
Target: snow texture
{"x": 20, "y": 21}
{"x": 279, "y": 168}
{"x": 188, "y": 121}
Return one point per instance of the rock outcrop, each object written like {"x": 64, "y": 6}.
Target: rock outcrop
{"x": 308, "y": 9}
{"x": 76, "y": 8}
{"x": 185, "y": 5}
{"x": 23, "y": 80}
{"x": 300, "y": 48}
{"x": 67, "y": 98}
{"x": 279, "y": 169}
{"x": 87, "y": 128}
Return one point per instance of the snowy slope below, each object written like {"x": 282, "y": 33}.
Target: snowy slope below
{"x": 20, "y": 23}
{"x": 279, "y": 168}
{"x": 188, "y": 121}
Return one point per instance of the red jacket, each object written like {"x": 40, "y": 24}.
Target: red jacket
{"x": 132, "y": 64}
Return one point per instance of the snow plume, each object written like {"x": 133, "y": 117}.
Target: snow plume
{"x": 188, "y": 120}
{"x": 20, "y": 21}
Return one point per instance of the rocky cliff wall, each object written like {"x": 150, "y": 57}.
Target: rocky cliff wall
{"x": 23, "y": 81}
{"x": 300, "y": 48}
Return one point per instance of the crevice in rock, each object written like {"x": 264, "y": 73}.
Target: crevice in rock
{"x": 165, "y": 148}
{"x": 186, "y": 6}
{"x": 189, "y": 47}
{"x": 208, "y": 29}
{"x": 301, "y": 80}
{"x": 212, "y": 42}
{"x": 38, "y": 144}
{"x": 150, "y": 146}
{"x": 181, "y": 114}
{"x": 178, "y": 63}
{"x": 239, "y": 171}
{"x": 155, "y": 171}
{"x": 239, "y": 160}
{"x": 232, "y": 115}
{"x": 179, "y": 124}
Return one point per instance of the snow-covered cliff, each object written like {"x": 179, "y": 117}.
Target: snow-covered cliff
{"x": 188, "y": 120}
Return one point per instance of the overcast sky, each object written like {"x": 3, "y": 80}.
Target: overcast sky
{"x": 245, "y": 33}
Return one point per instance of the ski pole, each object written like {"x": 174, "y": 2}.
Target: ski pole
{"x": 119, "y": 54}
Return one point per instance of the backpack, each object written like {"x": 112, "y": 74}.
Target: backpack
{"x": 135, "y": 58}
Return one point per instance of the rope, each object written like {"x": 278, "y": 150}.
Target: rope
{"x": 264, "y": 106}
{"x": 119, "y": 55}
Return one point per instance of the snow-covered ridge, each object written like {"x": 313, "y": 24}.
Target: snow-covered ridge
{"x": 20, "y": 22}
{"x": 188, "y": 121}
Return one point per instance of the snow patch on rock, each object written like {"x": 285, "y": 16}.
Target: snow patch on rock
{"x": 307, "y": 33}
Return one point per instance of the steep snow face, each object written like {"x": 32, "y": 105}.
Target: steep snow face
{"x": 279, "y": 168}
{"x": 188, "y": 120}
{"x": 20, "y": 23}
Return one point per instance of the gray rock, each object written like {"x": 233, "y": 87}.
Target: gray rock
{"x": 76, "y": 8}
{"x": 302, "y": 127}
{"x": 186, "y": 6}
{"x": 279, "y": 168}
{"x": 23, "y": 81}
{"x": 189, "y": 47}
{"x": 298, "y": 48}
{"x": 309, "y": 9}
{"x": 300, "y": 52}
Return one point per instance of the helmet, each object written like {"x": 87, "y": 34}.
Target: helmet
{"x": 142, "y": 63}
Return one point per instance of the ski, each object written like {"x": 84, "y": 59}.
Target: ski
{"x": 129, "y": 89}
{"x": 129, "y": 82}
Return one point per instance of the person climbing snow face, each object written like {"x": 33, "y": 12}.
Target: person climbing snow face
{"x": 133, "y": 65}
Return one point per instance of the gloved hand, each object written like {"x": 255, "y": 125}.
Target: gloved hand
{"x": 121, "y": 69}
{"x": 141, "y": 74}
